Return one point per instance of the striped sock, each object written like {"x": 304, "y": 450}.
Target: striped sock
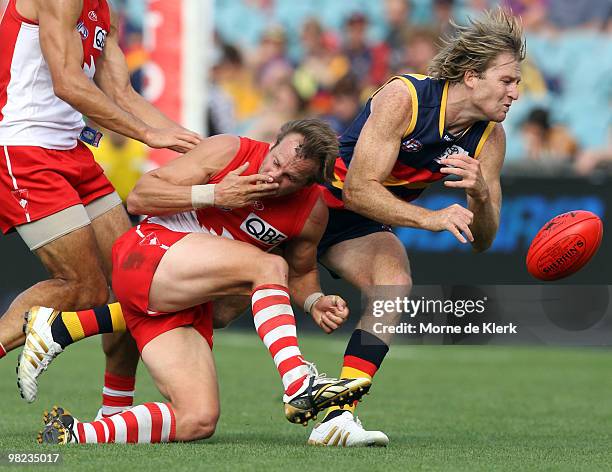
{"x": 147, "y": 423}
{"x": 2, "y": 351}
{"x": 72, "y": 326}
{"x": 275, "y": 324}
{"x": 117, "y": 394}
{"x": 363, "y": 356}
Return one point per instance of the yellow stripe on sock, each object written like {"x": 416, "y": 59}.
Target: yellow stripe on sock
{"x": 73, "y": 325}
{"x": 352, "y": 373}
{"x": 117, "y": 317}
{"x": 348, "y": 373}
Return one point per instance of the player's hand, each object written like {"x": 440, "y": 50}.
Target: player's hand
{"x": 468, "y": 169}
{"x": 176, "y": 139}
{"x": 237, "y": 191}
{"x": 454, "y": 219}
{"x": 330, "y": 312}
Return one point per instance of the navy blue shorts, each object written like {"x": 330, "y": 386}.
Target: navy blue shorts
{"x": 344, "y": 225}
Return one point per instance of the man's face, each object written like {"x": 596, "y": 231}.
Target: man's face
{"x": 292, "y": 173}
{"x": 495, "y": 91}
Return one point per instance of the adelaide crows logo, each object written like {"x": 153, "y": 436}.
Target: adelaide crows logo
{"x": 412, "y": 145}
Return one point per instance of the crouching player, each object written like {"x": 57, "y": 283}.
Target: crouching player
{"x": 167, "y": 270}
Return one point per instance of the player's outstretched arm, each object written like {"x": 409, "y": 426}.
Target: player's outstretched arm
{"x": 328, "y": 311}
{"x": 375, "y": 155}
{"x": 112, "y": 76}
{"x": 170, "y": 188}
{"x": 481, "y": 180}
{"x": 63, "y": 51}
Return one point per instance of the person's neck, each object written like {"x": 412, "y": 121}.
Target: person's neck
{"x": 460, "y": 113}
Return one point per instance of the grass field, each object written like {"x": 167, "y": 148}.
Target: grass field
{"x": 444, "y": 408}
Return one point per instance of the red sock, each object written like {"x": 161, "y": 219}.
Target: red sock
{"x": 148, "y": 423}
{"x": 117, "y": 394}
{"x": 2, "y": 351}
{"x": 275, "y": 324}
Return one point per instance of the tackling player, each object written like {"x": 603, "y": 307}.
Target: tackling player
{"x": 201, "y": 244}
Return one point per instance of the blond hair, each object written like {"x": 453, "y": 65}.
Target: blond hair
{"x": 476, "y": 45}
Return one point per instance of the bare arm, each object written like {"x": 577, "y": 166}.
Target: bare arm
{"x": 63, "y": 52}
{"x": 301, "y": 255}
{"x": 481, "y": 180}
{"x": 375, "y": 155}
{"x": 168, "y": 189}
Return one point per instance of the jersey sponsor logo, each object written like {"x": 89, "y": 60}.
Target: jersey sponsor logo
{"x": 412, "y": 145}
{"x": 82, "y": 29}
{"x": 447, "y": 137}
{"x": 92, "y": 16}
{"x": 450, "y": 151}
{"x": 99, "y": 38}
{"x": 261, "y": 230}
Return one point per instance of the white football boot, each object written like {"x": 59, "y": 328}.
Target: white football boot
{"x": 39, "y": 350}
{"x": 345, "y": 430}
{"x": 319, "y": 392}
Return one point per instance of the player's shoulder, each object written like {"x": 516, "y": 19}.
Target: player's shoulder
{"x": 219, "y": 149}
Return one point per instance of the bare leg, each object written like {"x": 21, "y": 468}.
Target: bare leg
{"x": 77, "y": 282}
{"x": 120, "y": 349}
{"x": 228, "y": 309}
{"x": 181, "y": 363}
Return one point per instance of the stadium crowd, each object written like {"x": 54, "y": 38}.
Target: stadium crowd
{"x": 324, "y": 58}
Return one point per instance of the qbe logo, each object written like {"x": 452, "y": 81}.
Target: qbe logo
{"x": 264, "y": 232}
{"x": 99, "y": 38}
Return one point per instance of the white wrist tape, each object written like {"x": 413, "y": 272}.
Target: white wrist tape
{"x": 203, "y": 196}
{"x": 311, "y": 300}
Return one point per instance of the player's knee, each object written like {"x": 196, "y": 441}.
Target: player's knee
{"x": 199, "y": 426}
{"x": 93, "y": 292}
{"x": 274, "y": 266}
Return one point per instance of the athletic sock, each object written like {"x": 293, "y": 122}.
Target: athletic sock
{"x": 363, "y": 356}
{"x": 72, "y": 326}
{"x": 2, "y": 351}
{"x": 117, "y": 394}
{"x": 147, "y": 423}
{"x": 275, "y": 325}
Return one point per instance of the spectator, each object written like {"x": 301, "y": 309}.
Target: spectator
{"x": 271, "y": 65}
{"x": 356, "y": 47}
{"x": 345, "y": 104}
{"x": 548, "y": 144}
{"x": 419, "y": 51}
{"x": 321, "y": 65}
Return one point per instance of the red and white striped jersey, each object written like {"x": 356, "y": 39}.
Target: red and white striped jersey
{"x": 30, "y": 113}
{"x": 265, "y": 224}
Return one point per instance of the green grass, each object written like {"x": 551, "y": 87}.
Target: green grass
{"x": 444, "y": 408}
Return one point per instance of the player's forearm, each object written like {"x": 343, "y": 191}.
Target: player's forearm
{"x": 374, "y": 201}
{"x": 485, "y": 224}
{"x": 88, "y": 99}
{"x": 155, "y": 197}
{"x": 303, "y": 284}
{"x": 137, "y": 105}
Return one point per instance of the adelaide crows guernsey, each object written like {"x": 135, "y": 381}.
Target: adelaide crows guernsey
{"x": 424, "y": 144}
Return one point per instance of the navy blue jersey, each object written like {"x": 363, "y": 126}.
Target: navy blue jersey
{"x": 424, "y": 144}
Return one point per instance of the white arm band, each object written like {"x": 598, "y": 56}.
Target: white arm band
{"x": 311, "y": 300}
{"x": 203, "y": 196}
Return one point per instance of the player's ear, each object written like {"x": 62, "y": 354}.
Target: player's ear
{"x": 470, "y": 77}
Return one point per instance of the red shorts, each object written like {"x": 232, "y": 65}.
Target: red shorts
{"x": 136, "y": 256}
{"x": 36, "y": 182}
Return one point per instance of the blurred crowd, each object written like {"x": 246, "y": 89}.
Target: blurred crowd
{"x": 276, "y": 60}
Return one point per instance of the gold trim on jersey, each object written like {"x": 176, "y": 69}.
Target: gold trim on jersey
{"x": 483, "y": 138}
{"x": 443, "y": 109}
{"x": 413, "y": 96}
